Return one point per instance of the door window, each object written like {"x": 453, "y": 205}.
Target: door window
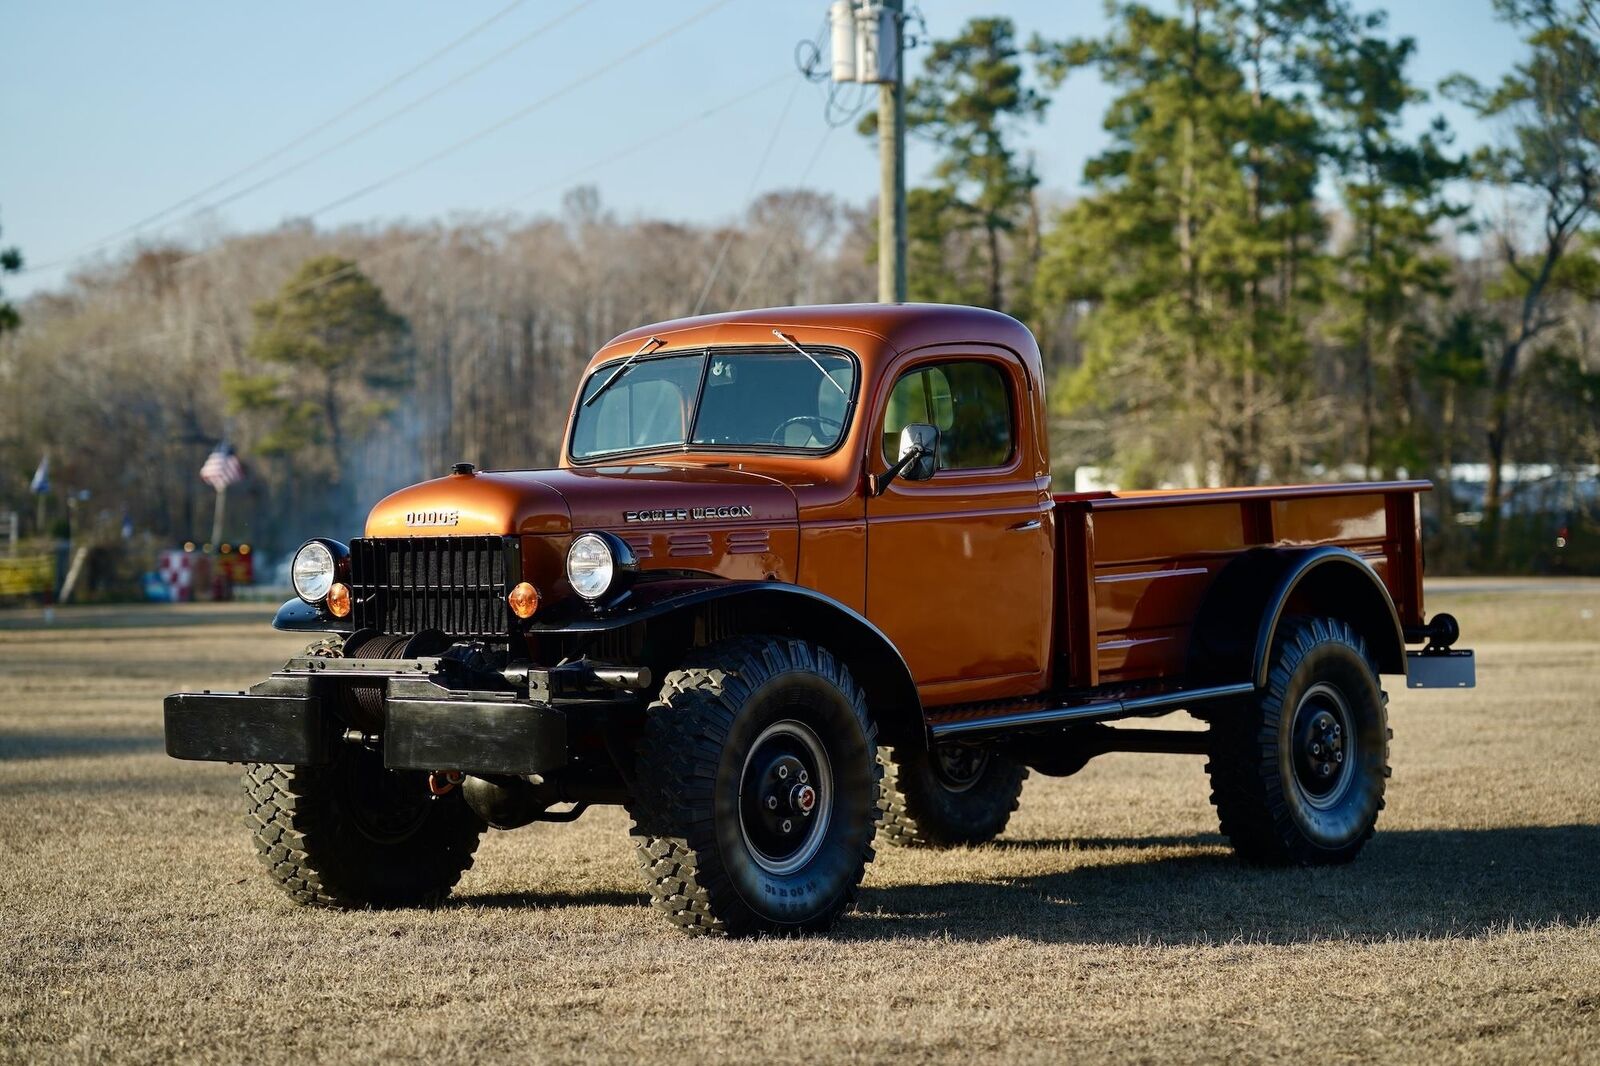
{"x": 967, "y": 400}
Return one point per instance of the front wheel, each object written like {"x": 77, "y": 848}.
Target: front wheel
{"x": 354, "y": 834}
{"x": 756, "y": 788}
{"x": 1298, "y": 772}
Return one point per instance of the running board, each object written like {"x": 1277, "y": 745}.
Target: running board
{"x": 981, "y": 720}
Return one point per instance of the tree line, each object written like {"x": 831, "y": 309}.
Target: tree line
{"x": 1281, "y": 267}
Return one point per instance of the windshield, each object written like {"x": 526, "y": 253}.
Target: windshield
{"x": 778, "y": 400}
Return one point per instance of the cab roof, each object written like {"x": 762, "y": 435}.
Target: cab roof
{"x": 902, "y": 327}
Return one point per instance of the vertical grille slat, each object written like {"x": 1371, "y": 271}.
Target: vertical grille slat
{"x": 456, "y": 585}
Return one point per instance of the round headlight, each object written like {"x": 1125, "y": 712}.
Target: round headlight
{"x": 590, "y": 566}
{"x": 312, "y": 571}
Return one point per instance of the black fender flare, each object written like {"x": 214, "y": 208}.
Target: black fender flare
{"x": 720, "y": 606}
{"x": 1238, "y": 620}
{"x": 298, "y": 616}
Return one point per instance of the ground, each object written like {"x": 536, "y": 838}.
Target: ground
{"x": 1110, "y": 923}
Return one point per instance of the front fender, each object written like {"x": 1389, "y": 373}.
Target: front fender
{"x": 717, "y": 607}
{"x": 298, "y": 616}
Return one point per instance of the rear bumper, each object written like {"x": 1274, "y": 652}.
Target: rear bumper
{"x": 290, "y": 719}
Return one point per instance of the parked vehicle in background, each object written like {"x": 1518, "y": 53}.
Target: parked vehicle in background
{"x": 801, "y": 571}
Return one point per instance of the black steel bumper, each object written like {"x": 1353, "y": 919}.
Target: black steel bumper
{"x": 428, "y": 723}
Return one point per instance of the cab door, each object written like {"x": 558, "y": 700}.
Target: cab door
{"x": 958, "y": 566}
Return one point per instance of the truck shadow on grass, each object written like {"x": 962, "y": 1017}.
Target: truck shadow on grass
{"x": 1421, "y": 883}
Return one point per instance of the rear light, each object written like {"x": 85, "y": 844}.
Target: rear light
{"x": 339, "y": 600}
{"x": 523, "y": 600}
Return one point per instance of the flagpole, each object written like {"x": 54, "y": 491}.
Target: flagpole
{"x": 216, "y": 517}
{"x": 38, "y": 515}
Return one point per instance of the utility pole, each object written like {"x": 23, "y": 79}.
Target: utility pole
{"x": 868, "y": 47}
{"x": 892, "y": 172}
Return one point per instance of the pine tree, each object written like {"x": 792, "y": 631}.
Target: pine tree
{"x": 1198, "y": 247}
{"x": 1394, "y": 192}
{"x": 972, "y": 99}
{"x": 339, "y": 342}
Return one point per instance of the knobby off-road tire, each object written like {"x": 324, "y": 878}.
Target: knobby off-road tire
{"x": 1298, "y": 772}
{"x": 353, "y": 834}
{"x": 736, "y": 736}
{"x": 949, "y": 797}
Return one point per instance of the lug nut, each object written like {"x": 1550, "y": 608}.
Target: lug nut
{"x": 1338, "y": 756}
{"x": 772, "y": 803}
{"x": 783, "y": 771}
{"x": 804, "y": 777}
{"x": 1316, "y": 749}
{"x": 788, "y": 826}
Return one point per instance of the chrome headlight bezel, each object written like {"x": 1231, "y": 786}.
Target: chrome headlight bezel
{"x": 599, "y": 564}
{"x": 315, "y": 566}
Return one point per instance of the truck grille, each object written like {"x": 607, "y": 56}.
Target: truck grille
{"x": 456, "y": 585}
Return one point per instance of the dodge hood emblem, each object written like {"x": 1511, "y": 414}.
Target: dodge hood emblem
{"x": 433, "y": 518}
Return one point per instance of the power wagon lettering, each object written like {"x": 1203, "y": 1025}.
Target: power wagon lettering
{"x": 689, "y": 514}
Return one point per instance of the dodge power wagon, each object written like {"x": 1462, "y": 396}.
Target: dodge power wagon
{"x": 799, "y": 583}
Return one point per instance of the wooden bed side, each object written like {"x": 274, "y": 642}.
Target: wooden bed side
{"x": 1135, "y": 567}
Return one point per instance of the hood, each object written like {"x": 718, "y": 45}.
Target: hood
{"x": 559, "y": 501}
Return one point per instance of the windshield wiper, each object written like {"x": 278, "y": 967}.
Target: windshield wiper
{"x": 626, "y": 363}
{"x": 790, "y": 342}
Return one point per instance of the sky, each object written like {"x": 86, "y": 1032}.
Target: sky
{"x": 111, "y": 113}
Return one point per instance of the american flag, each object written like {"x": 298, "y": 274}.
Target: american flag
{"x": 222, "y": 468}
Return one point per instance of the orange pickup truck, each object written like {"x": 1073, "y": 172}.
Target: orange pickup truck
{"x": 800, "y": 582}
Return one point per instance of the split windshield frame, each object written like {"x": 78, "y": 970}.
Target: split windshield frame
{"x": 688, "y": 445}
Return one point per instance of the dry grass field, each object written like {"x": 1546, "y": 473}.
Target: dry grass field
{"x": 1109, "y": 924}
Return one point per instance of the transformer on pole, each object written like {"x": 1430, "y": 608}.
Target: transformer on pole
{"x": 867, "y": 42}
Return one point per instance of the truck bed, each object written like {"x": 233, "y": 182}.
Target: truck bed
{"x": 1134, "y": 566}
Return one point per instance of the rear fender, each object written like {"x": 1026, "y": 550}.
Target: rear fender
{"x": 1239, "y": 619}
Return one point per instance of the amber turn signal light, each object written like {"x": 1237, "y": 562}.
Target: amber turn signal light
{"x": 339, "y": 600}
{"x": 523, "y": 600}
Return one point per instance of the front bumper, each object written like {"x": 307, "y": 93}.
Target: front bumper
{"x": 428, "y": 721}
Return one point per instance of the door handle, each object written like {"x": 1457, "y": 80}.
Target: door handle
{"x": 1022, "y": 527}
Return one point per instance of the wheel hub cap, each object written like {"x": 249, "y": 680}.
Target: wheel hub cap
{"x": 785, "y": 796}
{"x": 1323, "y": 746}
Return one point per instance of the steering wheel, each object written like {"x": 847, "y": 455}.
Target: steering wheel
{"x": 816, "y": 421}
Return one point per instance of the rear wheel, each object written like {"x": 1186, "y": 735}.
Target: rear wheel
{"x": 1298, "y": 773}
{"x": 354, "y": 834}
{"x": 953, "y": 795}
{"x": 756, "y": 790}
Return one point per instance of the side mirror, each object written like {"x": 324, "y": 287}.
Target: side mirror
{"x": 919, "y": 457}
{"x": 919, "y": 451}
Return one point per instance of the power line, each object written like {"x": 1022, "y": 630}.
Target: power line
{"x": 766, "y": 250}
{"x": 622, "y": 153}
{"x": 520, "y": 113}
{"x": 755, "y": 179}
{"x": 294, "y": 142}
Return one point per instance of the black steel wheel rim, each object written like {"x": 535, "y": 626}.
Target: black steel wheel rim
{"x": 785, "y": 797}
{"x": 385, "y": 806}
{"x": 1323, "y": 744}
{"x": 959, "y": 766}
